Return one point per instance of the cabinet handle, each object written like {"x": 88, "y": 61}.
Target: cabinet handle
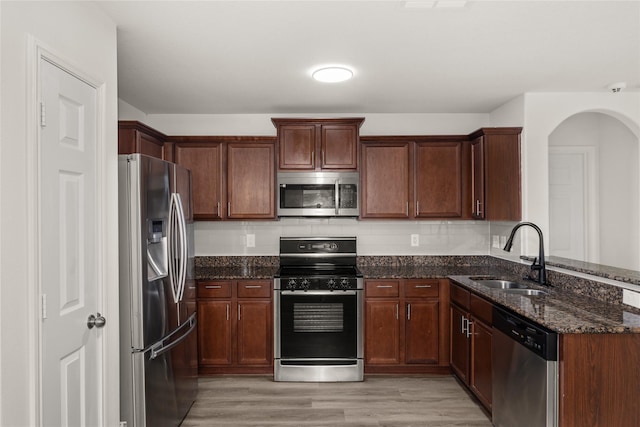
{"x": 313, "y": 158}
{"x": 397, "y": 312}
{"x": 323, "y": 159}
{"x": 478, "y": 207}
{"x": 213, "y": 287}
{"x": 218, "y": 208}
{"x": 464, "y": 325}
{"x": 384, "y": 286}
{"x": 228, "y": 209}
{"x": 423, "y": 286}
{"x": 238, "y": 311}
{"x": 408, "y": 311}
{"x": 469, "y": 325}
{"x": 252, "y": 286}
{"x": 417, "y": 208}
{"x": 407, "y": 208}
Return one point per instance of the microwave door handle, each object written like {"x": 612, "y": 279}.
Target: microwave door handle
{"x": 337, "y": 196}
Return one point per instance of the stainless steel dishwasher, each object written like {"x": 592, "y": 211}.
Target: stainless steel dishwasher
{"x": 525, "y": 372}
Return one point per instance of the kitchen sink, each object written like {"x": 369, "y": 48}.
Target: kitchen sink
{"x": 500, "y": 284}
{"x": 526, "y": 292}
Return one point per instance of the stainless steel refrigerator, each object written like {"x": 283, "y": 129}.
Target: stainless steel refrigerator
{"x": 158, "y": 345}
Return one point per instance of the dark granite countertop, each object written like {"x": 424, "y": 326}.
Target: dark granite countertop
{"x": 560, "y": 310}
{"x": 235, "y": 272}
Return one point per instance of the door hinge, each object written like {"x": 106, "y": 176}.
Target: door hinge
{"x": 43, "y": 115}
{"x": 43, "y": 306}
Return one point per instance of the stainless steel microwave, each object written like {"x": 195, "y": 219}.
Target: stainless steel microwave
{"x": 308, "y": 194}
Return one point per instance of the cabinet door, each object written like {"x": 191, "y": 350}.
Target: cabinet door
{"x": 480, "y": 380}
{"x": 438, "y": 180}
{"x": 254, "y": 333}
{"x": 205, "y": 163}
{"x": 251, "y": 180}
{"x": 297, "y": 146}
{"x": 477, "y": 175}
{"x": 382, "y": 332}
{"x": 422, "y": 332}
{"x": 459, "y": 354}
{"x": 214, "y": 333}
{"x": 385, "y": 180}
{"x": 338, "y": 147}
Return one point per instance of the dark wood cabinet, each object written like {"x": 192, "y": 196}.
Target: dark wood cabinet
{"x": 206, "y": 162}
{"x": 233, "y": 177}
{"x": 403, "y": 178}
{"x": 136, "y": 137}
{"x": 495, "y": 165}
{"x": 438, "y": 180}
{"x": 235, "y": 327}
{"x": 403, "y": 320}
{"x": 251, "y": 180}
{"x": 471, "y": 340}
{"x": 318, "y": 144}
{"x": 385, "y": 179}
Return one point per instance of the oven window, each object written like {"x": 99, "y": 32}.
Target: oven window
{"x": 319, "y": 317}
{"x": 308, "y": 196}
{"x": 318, "y": 326}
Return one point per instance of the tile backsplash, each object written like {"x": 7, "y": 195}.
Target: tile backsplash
{"x": 374, "y": 237}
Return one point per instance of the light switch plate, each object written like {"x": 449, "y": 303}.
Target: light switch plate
{"x": 251, "y": 240}
{"x": 415, "y": 240}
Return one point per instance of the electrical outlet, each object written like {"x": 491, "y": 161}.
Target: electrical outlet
{"x": 251, "y": 240}
{"x": 496, "y": 241}
{"x": 415, "y": 240}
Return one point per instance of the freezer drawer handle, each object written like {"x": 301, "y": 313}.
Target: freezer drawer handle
{"x": 98, "y": 321}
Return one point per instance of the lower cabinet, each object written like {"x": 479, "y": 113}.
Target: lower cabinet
{"x": 470, "y": 355}
{"x": 235, "y": 327}
{"x": 404, "y": 321}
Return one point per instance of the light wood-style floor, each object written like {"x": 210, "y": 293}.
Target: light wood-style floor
{"x": 389, "y": 401}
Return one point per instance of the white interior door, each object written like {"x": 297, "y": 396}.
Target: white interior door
{"x": 71, "y": 362}
{"x": 570, "y": 196}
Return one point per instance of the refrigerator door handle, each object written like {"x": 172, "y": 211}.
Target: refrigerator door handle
{"x": 177, "y": 236}
{"x": 159, "y": 348}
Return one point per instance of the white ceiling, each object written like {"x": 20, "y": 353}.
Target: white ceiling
{"x": 243, "y": 57}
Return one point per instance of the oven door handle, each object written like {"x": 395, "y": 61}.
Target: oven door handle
{"x": 319, "y": 292}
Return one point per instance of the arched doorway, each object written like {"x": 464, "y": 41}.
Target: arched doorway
{"x": 594, "y": 191}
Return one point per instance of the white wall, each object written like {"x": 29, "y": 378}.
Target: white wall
{"x": 82, "y": 34}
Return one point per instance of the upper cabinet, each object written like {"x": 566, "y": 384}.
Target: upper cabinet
{"x": 233, "y": 177}
{"x": 495, "y": 171}
{"x": 318, "y": 144}
{"x": 402, "y": 178}
{"x": 136, "y": 137}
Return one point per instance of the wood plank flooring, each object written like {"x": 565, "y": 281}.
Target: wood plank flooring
{"x": 388, "y": 401}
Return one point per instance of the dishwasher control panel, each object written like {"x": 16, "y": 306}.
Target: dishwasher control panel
{"x": 537, "y": 338}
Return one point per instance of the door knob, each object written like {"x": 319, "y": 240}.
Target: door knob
{"x": 97, "y": 321}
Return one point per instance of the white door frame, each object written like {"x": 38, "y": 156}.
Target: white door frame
{"x": 591, "y": 196}
{"x": 107, "y": 292}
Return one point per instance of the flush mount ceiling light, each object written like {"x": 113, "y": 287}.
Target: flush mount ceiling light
{"x": 332, "y": 74}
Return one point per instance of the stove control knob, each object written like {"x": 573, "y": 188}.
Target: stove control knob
{"x": 331, "y": 283}
{"x": 305, "y": 284}
{"x": 344, "y": 283}
{"x": 291, "y": 284}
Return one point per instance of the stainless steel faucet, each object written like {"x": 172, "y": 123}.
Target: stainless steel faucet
{"x": 538, "y": 263}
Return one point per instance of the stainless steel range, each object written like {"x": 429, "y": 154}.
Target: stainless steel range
{"x": 318, "y": 311}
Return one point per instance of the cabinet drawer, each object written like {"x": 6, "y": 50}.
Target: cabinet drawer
{"x": 460, "y": 296}
{"x": 382, "y": 288}
{"x": 481, "y": 308}
{"x": 422, "y": 288}
{"x": 254, "y": 289}
{"x": 217, "y": 289}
